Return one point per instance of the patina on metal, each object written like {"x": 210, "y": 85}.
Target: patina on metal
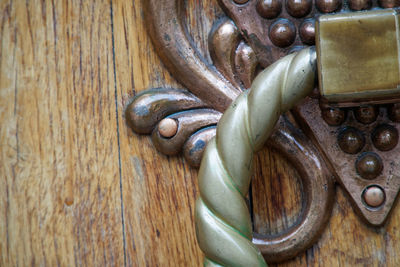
{"x": 223, "y": 223}
{"x": 358, "y": 56}
{"x": 358, "y": 145}
{"x": 355, "y": 152}
{"x": 165, "y": 22}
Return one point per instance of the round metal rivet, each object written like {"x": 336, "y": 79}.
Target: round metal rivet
{"x": 374, "y": 196}
{"x": 240, "y": 1}
{"x": 389, "y": 3}
{"x": 394, "y": 111}
{"x": 307, "y": 32}
{"x": 327, "y": 6}
{"x": 351, "y": 140}
{"x": 269, "y": 9}
{"x": 360, "y": 4}
{"x": 282, "y": 33}
{"x": 366, "y": 114}
{"x": 167, "y": 127}
{"x": 298, "y": 8}
{"x": 333, "y": 116}
{"x": 369, "y": 165}
{"x": 385, "y": 137}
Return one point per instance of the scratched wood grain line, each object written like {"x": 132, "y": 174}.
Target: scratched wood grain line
{"x": 345, "y": 242}
{"x": 59, "y": 186}
{"x": 159, "y": 191}
{"x": 60, "y": 191}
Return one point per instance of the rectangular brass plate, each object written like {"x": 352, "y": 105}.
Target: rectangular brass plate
{"x": 358, "y": 55}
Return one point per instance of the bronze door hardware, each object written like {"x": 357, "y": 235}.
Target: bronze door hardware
{"x": 265, "y": 65}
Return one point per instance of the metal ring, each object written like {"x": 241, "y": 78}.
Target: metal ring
{"x": 318, "y": 194}
{"x": 223, "y": 223}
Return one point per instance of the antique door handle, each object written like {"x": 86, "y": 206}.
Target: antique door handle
{"x": 223, "y": 223}
{"x": 180, "y": 121}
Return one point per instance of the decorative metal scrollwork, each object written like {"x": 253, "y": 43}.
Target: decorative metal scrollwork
{"x": 355, "y": 143}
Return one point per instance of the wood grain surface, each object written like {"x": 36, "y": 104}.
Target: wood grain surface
{"x": 78, "y": 188}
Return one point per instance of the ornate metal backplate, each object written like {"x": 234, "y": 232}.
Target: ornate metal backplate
{"x": 356, "y": 142}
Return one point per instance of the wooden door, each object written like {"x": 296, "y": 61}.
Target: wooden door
{"x": 79, "y": 188}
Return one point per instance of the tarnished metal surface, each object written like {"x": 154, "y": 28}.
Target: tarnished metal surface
{"x": 355, "y": 149}
{"x": 150, "y": 106}
{"x": 188, "y": 122}
{"x": 223, "y": 222}
{"x": 318, "y": 193}
{"x": 260, "y": 33}
{"x": 358, "y": 55}
{"x": 164, "y": 20}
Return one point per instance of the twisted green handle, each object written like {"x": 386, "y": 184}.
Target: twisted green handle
{"x": 223, "y": 223}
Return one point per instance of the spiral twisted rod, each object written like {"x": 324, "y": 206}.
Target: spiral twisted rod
{"x": 223, "y": 223}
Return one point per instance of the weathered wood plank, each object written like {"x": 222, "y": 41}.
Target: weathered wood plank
{"x": 60, "y": 192}
{"x": 62, "y": 129}
{"x": 158, "y": 191}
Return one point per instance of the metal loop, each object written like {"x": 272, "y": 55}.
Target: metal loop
{"x": 223, "y": 224}
{"x": 318, "y": 191}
